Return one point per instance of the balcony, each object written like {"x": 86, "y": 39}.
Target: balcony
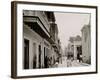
{"x": 40, "y": 15}
{"x": 35, "y": 24}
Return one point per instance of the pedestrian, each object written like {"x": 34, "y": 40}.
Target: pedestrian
{"x": 69, "y": 64}
{"x": 81, "y": 59}
{"x": 56, "y": 64}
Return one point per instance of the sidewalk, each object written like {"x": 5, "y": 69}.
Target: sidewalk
{"x": 76, "y": 63}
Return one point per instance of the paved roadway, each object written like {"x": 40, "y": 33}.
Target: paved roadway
{"x": 69, "y": 63}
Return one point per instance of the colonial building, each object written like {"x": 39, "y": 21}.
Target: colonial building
{"x": 86, "y": 44}
{"x": 74, "y": 48}
{"x": 54, "y": 37}
{"x": 40, "y": 34}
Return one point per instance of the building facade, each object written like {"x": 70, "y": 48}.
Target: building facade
{"x": 86, "y": 44}
{"x": 40, "y": 39}
{"x": 74, "y": 48}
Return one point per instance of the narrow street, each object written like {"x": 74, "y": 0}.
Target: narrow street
{"x": 68, "y": 63}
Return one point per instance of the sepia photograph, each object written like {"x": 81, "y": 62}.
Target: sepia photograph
{"x": 53, "y": 39}
{"x": 56, "y": 39}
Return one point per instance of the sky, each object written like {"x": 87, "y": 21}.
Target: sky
{"x": 70, "y": 25}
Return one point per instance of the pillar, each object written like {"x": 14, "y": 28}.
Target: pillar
{"x": 75, "y": 52}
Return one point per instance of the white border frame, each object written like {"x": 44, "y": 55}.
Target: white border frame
{"x": 35, "y": 72}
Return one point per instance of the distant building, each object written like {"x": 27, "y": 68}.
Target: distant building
{"x": 74, "y": 48}
{"x": 86, "y": 44}
{"x": 40, "y": 33}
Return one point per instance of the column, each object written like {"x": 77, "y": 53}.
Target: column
{"x": 75, "y": 52}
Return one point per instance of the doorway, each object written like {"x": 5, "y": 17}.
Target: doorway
{"x": 26, "y": 54}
